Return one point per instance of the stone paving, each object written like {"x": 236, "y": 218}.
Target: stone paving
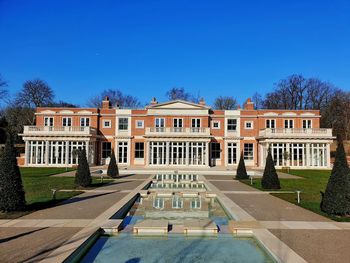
{"x": 313, "y": 237}
{"x": 35, "y": 236}
{"x": 52, "y": 234}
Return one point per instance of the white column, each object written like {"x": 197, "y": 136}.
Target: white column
{"x": 147, "y": 153}
{"x": 289, "y": 154}
{"x": 31, "y": 153}
{"x": 167, "y": 153}
{"x": 67, "y": 153}
{"x": 47, "y": 152}
{"x": 206, "y": 160}
{"x": 308, "y": 156}
{"x": 328, "y": 160}
{"x": 129, "y": 151}
{"x": 87, "y": 151}
{"x": 187, "y": 153}
{"x": 26, "y": 155}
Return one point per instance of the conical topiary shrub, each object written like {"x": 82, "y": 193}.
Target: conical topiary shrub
{"x": 241, "y": 170}
{"x": 113, "y": 170}
{"x": 12, "y": 197}
{"x": 270, "y": 178}
{"x": 82, "y": 175}
{"x": 336, "y": 199}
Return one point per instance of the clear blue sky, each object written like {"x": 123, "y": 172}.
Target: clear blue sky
{"x": 146, "y": 47}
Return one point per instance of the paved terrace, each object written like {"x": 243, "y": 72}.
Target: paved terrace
{"x": 52, "y": 234}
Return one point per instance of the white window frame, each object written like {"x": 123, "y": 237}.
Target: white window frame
{"x": 289, "y": 121}
{"x": 177, "y": 202}
{"x": 306, "y": 121}
{"x": 234, "y": 130}
{"x": 270, "y": 121}
{"x": 177, "y": 120}
{"x": 84, "y": 118}
{"x": 217, "y": 122}
{"x": 107, "y": 126}
{"x": 127, "y": 128}
{"x": 251, "y": 125}
{"x": 66, "y": 118}
{"x": 196, "y": 203}
{"x": 159, "y": 123}
{"x": 137, "y": 124}
{"x": 196, "y": 123}
{"x": 47, "y": 118}
{"x": 158, "y": 202}
{"x": 244, "y": 156}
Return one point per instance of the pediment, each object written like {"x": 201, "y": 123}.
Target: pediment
{"x": 179, "y": 104}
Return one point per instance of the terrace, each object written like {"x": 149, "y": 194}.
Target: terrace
{"x": 58, "y": 131}
{"x": 171, "y": 131}
{"x": 295, "y": 133}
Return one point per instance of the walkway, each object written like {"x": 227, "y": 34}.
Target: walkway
{"x": 52, "y": 234}
{"x": 35, "y": 236}
{"x": 313, "y": 237}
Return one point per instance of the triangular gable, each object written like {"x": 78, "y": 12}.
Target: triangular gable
{"x": 178, "y": 104}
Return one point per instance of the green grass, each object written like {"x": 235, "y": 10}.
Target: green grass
{"x": 38, "y": 183}
{"x": 310, "y": 185}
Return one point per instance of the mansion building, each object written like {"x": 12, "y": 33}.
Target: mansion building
{"x": 179, "y": 134}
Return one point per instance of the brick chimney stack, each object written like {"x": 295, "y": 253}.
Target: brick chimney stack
{"x": 248, "y": 105}
{"x": 202, "y": 102}
{"x": 106, "y": 104}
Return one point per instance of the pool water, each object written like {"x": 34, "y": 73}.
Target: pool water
{"x": 203, "y": 208}
{"x": 176, "y": 248}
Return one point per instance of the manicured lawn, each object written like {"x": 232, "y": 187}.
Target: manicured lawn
{"x": 38, "y": 183}
{"x": 311, "y": 183}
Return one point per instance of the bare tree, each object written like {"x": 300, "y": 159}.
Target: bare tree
{"x": 225, "y": 103}
{"x": 3, "y": 90}
{"x": 116, "y": 97}
{"x": 179, "y": 93}
{"x": 336, "y": 115}
{"x": 35, "y": 93}
{"x": 258, "y": 101}
{"x": 63, "y": 104}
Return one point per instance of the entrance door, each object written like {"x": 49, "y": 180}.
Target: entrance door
{"x": 123, "y": 152}
{"x": 158, "y": 153}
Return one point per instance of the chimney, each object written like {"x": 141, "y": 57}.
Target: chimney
{"x": 238, "y": 107}
{"x": 106, "y": 104}
{"x": 154, "y": 101}
{"x": 202, "y": 102}
{"x": 248, "y": 105}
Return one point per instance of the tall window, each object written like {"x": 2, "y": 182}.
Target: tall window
{"x": 177, "y": 124}
{"x": 139, "y": 149}
{"x": 248, "y": 152}
{"x": 106, "y": 149}
{"x": 196, "y": 123}
{"x": 231, "y": 124}
{"x": 123, "y": 124}
{"x": 160, "y": 122}
{"x": 215, "y": 150}
{"x": 48, "y": 121}
{"x": 307, "y": 124}
{"x": 66, "y": 121}
{"x": 288, "y": 124}
{"x": 270, "y": 124}
{"x": 232, "y": 153}
{"x": 177, "y": 202}
{"x": 84, "y": 122}
{"x": 158, "y": 203}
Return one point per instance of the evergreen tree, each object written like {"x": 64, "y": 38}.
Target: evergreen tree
{"x": 336, "y": 199}
{"x": 270, "y": 178}
{"x": 241, "y": 170}
{"x": 82, "y": 176}
{"x": 113, "y": 170}
{"x": 12, "y": 196}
